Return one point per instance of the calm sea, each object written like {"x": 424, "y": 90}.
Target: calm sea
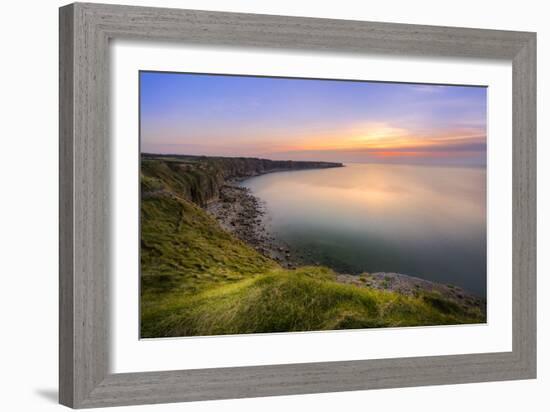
{"x": 423, "y": 221}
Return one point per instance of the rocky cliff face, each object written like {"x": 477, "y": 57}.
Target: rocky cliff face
{"x": 200, "y": 178}
{"x": 246, "y": 167}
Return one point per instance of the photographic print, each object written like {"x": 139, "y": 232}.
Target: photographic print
{"x": 274, "y": 204}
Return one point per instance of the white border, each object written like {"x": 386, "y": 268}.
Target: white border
{"x": 132, "y": 355}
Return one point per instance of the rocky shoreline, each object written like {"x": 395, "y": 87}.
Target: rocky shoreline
{"x": 411, "y": 286}
{"x": 242, "y": 214}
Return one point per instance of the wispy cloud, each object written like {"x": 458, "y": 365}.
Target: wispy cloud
{"x": 297, "y": 118}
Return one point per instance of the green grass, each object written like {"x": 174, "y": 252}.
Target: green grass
{"x": 197, "y": 279}
{"x": 183, "y": 249}
{"x": 283, "y": 301}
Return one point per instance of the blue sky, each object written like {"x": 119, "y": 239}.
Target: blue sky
{"x": 303, "y": 119}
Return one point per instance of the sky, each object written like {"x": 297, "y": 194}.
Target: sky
{"x": 306, "y": 119}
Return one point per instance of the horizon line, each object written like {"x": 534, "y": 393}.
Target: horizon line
{"x": 403, "y": 163}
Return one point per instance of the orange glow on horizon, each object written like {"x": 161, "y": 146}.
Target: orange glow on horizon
{"x": 408, "y": 144}
{"x": 399, "y": 154}
{"x": 383, "y": 138}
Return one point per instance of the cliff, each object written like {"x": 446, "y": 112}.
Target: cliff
{"x": 200, "y": 178}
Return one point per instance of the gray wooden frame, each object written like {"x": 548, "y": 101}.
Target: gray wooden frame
{"x": 85, "y": 31}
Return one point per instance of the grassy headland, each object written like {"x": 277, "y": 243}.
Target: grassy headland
{"x": 198, "y": 279}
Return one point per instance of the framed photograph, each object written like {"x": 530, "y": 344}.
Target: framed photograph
{"x": 257, "y": 205}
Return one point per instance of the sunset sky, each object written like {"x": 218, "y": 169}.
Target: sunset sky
{"x": 299, "y": 119}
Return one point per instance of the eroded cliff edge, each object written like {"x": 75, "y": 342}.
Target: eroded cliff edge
{"x": 200, "y": 178}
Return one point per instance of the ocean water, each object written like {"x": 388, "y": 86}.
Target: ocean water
{"x": 423, "y": 221}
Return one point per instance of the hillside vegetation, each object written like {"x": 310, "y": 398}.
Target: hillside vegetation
{"x": 199, "y": 178}
{"x": 197, "y": 279}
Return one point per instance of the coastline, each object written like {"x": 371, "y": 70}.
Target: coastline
{"x": 244, "y": 215}
{"x": 199, "y": 266}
